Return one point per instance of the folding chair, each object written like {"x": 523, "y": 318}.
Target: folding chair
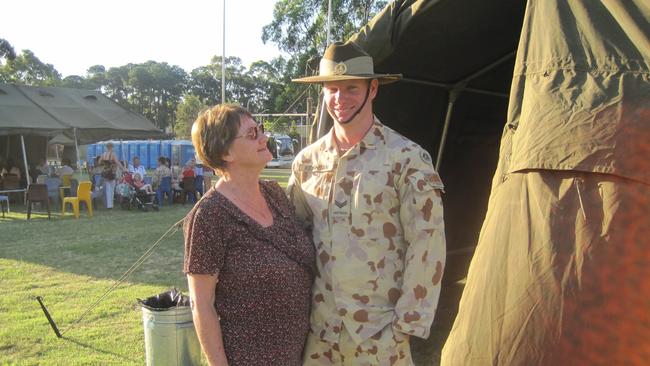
{"x": 37, "y": 193}
{"x": 4, "y": 200}
{"x": 189, "y": 189}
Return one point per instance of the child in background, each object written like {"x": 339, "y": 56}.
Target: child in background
{"x": 139, "y": 184}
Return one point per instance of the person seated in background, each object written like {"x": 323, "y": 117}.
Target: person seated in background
{"x": 188, "y": 170}
{"x": 137, "y": 167}
{"x": 65, "y": 168}
{"x": 162, "y": 170}
{"x": 140, "y": 185}
{"x": 176, "y": 178}
{"x": 11, "y": 169}
{"x": 45, "y": 169}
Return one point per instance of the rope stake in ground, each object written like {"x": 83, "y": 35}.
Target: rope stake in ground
{"x": 172, "y": 230}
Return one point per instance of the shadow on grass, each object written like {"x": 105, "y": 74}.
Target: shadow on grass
{"x": 107, "y": 245}
{"x": 102, "y": 247}
{"x": 99, "y": 350}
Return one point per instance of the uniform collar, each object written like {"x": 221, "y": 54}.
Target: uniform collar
{"x": 373, "y": 137}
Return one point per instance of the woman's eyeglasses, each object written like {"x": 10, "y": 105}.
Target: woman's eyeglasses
{"x": 254, "y": 132}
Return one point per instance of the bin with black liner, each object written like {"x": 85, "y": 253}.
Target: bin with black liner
{"x": 169, "y": 335}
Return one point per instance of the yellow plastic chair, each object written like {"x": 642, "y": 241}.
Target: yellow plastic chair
{"x": 66, "y": 183}
{"x": 83, "y": 194}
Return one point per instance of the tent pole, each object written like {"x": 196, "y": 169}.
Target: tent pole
{"x": 329, "y": 17}
{"x": 123, "y": 153}
{"x": 321, "y": 121}
{"x": 453, "y": 95}
{"x": 76, "y": 149}
{"x": 22, "y": 142}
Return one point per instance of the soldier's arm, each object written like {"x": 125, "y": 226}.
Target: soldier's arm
{"x": 421, "y": 215}
{"x": 297, "y": 197}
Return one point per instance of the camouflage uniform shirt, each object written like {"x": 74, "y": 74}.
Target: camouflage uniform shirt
{"x": 377, "y": 223}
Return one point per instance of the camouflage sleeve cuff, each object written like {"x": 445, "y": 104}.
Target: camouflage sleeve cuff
{"x": 419, "y": 330}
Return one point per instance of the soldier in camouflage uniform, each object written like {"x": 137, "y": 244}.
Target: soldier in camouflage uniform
{"x": 372, "y": 199}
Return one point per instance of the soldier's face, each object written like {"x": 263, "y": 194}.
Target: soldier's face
{"x": 344, "y": 98}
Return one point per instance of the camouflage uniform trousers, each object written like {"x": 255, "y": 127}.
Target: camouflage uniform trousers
{"x": 386, "y": 348}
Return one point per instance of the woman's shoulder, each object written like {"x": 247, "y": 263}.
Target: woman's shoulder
{"x": 277, "y": 195}
{"x": 209, "y": 206}
{"x": 272, "y": 187}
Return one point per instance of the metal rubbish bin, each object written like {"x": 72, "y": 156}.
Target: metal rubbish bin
{"x": 169, "y": 335}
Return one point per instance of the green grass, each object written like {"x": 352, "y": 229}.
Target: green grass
{"x": 71, "y": 263}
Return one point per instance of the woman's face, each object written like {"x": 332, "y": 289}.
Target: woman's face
{"x": 249, "y": 147}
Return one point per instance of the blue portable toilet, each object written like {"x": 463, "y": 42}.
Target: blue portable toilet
{"x": 120, "y": 149}
{"x": 99, "y": 148}
{"x": 90, "y": 153}
{"x": 154, "y": 152}
{"x": 188, "y": 152}
{"x": 143, "y": 154}
{"x": 166, "y": 148}
{"x": 131, "y": 150}
{"x": 182, "y": 151}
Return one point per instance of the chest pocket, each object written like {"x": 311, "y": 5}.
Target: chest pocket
{"x": 316, "y": 184}
{"x": 375, "y": 201}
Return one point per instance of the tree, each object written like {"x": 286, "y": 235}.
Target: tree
{"x": 186, "y": 112}
{"x": 76, "y": 82}
{"x": 6, "y": 51}
{"x": 27, "y": 69}
{"x": 96, "y": 77}
{"x": 299, "y": 26}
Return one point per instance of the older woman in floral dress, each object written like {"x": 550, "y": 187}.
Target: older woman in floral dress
{"x": 249, "y": 263}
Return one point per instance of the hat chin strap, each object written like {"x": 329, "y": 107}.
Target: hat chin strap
{"x": 365, "y": 100}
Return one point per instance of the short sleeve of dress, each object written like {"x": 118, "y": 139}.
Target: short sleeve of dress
{"x": 204, "y": 246}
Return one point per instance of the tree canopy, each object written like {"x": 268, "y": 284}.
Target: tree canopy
{"x": 168, "y": 95}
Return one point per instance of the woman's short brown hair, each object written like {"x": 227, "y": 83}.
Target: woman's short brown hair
{"x": 214, "y": 131}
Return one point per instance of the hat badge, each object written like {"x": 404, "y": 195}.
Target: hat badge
{"x": 340, "y": 68}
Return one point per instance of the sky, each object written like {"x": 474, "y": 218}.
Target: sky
{"x": 73, "y": 35}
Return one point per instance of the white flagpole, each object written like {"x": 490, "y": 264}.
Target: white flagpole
{"x": 223, "y": 57}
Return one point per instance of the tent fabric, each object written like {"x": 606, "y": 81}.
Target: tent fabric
{"x": 559, "y": 276}
{"x": 50, "y": 111}
{"x": 457, "y": 58}
{"x": 19, "y": 115}
{"x": 559, "y": 273}
{"x": 581, "y": 89}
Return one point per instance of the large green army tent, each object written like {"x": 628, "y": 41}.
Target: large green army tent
{"x": 458, "y": 62}
{"x": 50, "y": 111}
{"x": 31, "y": 116}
